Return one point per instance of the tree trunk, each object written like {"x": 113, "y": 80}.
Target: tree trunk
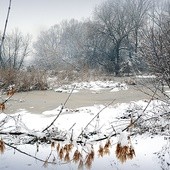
{"x": 117, "y": 57}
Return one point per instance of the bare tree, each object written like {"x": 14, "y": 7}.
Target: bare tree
{"x": 120, "y": 23}
{"x": 46, "y": 48}
{"x": 15, "y": 49}
{"x": 156, "y": 46}
{"x": 116, "y": 23}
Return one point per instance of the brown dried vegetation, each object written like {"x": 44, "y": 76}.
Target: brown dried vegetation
{"x": 2, "y": 106}
{"x": 67, "y": 157}
{"x": 61, "y": 153}
{"x": 80, "y": 166}
{"x": 11, "y": 91}
{"x": 89, "y": 160}
{"x": 104, "y": 150}
{"x": 76, "y": 157}
{"x": 124, "y": 152}
{"x": 68, "y": 147}
{"x": 2, "y": 146}
{"x": 52, "y": 145}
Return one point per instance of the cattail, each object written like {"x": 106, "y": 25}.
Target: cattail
{"x": 2, "y": 146}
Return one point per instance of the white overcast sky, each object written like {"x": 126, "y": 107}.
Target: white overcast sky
{"x": 32, "y": 16}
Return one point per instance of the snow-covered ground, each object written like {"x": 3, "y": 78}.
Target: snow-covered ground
{"x": 88, "y": 129}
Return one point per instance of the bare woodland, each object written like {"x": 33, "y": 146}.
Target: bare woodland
{"x": 123, "y": 38}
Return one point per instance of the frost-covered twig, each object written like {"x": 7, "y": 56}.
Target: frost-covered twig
{"x": 96, "y": 116}
{"x": 60, "y": 111}
{"x": 131, "y": 124}
{"x": 27, "y": 154}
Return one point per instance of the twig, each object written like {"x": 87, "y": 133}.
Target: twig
{"x": 7, "y": 99}
{"x": 96, "y": 116}
{"x": 4, "y": 32}
{"x": 131, "y": 123}
{"x": 60, "y": 110}
{"x": 27, "y": 154}
{"x": 17, "y": 134}
{"x": 72, "y": 126}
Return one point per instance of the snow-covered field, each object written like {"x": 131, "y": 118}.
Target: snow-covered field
{"x": 143, "y": 126}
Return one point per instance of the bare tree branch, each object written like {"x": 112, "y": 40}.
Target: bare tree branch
{"x": 3, "y": 36}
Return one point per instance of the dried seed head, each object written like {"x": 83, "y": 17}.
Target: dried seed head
{"x": 11, "y": 91}
{"x": 118, "y": 149}
{"x": 89, "y": 160}
{"x": 52, "y": 145}
{"x": 2, "y": 146}
{"x": 58, "y": 147}
{"x": 76, "y": 156}
{"x": 131, "y": 153}
{"x": 68, "y": 147}
{"x": 124, "y": 152}
{"x": 101, "y": 151}
{"x": 45, "y": 165}
{"x": 2, "y": 106}
{"x": 106, "y": 151}
{"x": 107, "y": 147}
{"x": 61, "y": 153}
{"x": 67, "y": 157}
{"x": 80, "y": 166}
{"x": 108, "y": 144}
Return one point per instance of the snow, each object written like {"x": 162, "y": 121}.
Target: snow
{"x": 93, "y": 86}
{"x": 151, "y": 147}
{"x": 146, "y": 76}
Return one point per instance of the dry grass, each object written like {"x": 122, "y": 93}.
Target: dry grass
{"x": 23, "y": 80}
